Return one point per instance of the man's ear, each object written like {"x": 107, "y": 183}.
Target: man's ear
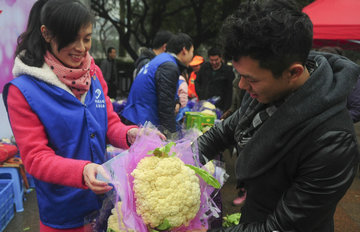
{"x": 295, "y": 71}
{"x": 184, "y": 51}
{"x": 163, "y": 47}
{"x": 45, "y": 33}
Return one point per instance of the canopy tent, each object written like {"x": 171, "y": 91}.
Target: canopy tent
{"x": 336, "y": 22}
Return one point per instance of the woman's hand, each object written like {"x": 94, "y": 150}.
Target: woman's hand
{"x": 131, "y": 135}
{"x": 134, "y": 132}
{"x": 89, "y": 175}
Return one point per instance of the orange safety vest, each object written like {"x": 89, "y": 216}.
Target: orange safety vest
{"x": 191, "y": 86}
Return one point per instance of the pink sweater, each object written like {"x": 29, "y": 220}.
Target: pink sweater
{"x": 183, "y": 92}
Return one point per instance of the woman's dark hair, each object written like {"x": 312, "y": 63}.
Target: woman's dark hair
{"x": 62, "y": 18}
{"x": 274, "y": 32}
{"x": 178, "y": 42}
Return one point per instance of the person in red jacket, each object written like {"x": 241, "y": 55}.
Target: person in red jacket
{"x": 195, "y": 64}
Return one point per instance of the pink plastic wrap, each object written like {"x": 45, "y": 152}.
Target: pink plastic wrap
{"x": 120, "y": 169}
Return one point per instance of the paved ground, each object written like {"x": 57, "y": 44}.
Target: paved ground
{"x": 347, "y": 216}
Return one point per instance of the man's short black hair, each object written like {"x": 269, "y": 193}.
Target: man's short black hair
{"x": 276, "y": 33}
{"x": 161, "y": 38}
{"x": 109, "y": 50}
{"x": 214, "y": 51}
{"x": 178, "y": 41}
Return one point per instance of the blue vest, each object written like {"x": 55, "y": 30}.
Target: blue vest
{"x": 141, "y": 104}
{"x": 74, "y": 130}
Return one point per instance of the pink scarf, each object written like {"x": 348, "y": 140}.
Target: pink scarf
{"x": 77, "y": 79}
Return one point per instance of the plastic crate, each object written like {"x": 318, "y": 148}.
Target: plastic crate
{"x": 6, "y": 203}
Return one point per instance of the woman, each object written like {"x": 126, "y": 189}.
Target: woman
{"x": 61, "y": 115}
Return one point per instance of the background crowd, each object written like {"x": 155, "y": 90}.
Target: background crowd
{"x": 287, "y": 112}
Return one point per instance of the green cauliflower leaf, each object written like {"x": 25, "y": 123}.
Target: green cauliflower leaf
{"x": 207, "y": 177}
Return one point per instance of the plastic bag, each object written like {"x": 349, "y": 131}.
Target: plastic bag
{"x": 119, "y": 169}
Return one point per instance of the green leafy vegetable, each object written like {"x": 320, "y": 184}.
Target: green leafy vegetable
{"x": 231, "y": 220}
{"x": 207, "y": 177}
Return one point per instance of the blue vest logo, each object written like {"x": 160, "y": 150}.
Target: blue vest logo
{"x": 100, "y": 103}
{"x": 97, "y": 93}
{"x": 144, "y": 69}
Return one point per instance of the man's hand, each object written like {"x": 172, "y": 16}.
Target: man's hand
{"x": 226, "y": 114}
{"x": 177, "y": 108}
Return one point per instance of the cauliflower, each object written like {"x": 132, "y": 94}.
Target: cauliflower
{"x": 210, "y": 167}
{"x": 208, "y": 109}
{"x": 166, "y": 191}
{"x": 209, "y": 105}
{"x": 208, "y": 112}
{"x": 113, "y": 221}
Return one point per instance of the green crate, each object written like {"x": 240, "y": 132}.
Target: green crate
{"x": 198, "y": 120}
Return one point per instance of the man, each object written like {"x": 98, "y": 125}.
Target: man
{"x": 195, "y": 65}
{"x": 215, "y": 80}
{"x": 109, "y": 71}
{"x": 152, "y": 94}
{"x": 295, "y": 138}
{"x": 158, "y": 46}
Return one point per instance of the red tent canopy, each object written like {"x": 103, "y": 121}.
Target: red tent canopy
{"x": 335, "y": 22}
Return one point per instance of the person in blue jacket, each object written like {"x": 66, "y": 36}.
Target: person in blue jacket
{"x": 153, "y": 92}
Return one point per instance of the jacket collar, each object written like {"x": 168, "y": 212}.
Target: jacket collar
{"x": 181, "y": 66}
{"x": 43, "y": 73}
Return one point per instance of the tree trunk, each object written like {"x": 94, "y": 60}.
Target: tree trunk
{"x": 122, "y": 12}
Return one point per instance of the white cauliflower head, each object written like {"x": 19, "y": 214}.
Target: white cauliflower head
{"x": 113, "y": 221}
{"x": 166, "y": 189}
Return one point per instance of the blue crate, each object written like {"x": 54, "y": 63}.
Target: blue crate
{"x": 6, "y": 203}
